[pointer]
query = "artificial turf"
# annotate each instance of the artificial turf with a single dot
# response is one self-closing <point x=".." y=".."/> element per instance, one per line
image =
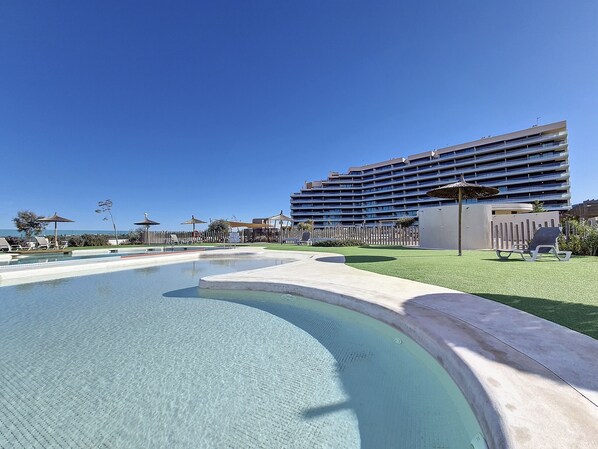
<point x="563" y="292"/>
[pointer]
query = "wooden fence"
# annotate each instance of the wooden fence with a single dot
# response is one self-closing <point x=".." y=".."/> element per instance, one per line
<point x="383" y="235"/>
<point x="184" y="237"/>
<point x="517" y="231"/>
<point x="370" y="236"/>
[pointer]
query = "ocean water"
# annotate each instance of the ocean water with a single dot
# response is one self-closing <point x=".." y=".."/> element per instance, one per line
<point x="50" y="231"/>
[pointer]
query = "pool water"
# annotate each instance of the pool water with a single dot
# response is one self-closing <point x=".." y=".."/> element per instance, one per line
<point x="51" y="257"/>
<point x="144" y="359"/>
<point x="41" y="258"/>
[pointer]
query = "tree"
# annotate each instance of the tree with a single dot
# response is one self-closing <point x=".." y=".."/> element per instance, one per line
<point x="405" y="222"/>
<point x="307" y="225"/>
<point x="538" y="206"/>
<point x="219" y="226"/>
<point x="105" y="207"/>
<point x="26" y="221"/>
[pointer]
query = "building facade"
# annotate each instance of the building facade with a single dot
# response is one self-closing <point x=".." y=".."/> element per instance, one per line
<point x="586" y="210"/>
<point x="527" y="165"/>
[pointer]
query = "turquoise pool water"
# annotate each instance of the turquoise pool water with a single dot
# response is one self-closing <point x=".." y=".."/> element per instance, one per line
<point x="143" y="359"/>
<point x="41" y="258"/>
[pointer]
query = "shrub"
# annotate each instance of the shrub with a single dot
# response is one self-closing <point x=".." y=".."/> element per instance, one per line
<point x="306" y="225"/>
<point x="88" y="240"/>
<point x="583" y="241"/>
<point x="405" y="222"/>
<point x="16" y="241"/>
<point x="135" y="237"/>
<point x="219" y="226"/>
<point x="338" y="243"/>
<point x="260" y="238"/>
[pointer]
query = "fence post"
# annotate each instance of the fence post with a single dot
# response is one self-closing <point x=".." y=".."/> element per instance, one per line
<point x="512" y="235"/>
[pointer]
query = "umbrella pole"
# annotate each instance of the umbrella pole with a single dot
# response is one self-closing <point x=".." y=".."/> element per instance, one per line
<point x="460" y="211"/>
<point x="55" y="235"/>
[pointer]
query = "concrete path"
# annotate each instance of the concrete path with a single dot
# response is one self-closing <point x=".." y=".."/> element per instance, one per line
<point x="533" y="384"/>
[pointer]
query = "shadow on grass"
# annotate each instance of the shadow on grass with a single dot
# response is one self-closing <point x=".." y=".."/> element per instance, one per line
<point x="356" y="259"/>
<point x="368" y="259"/>
<point x="392" y="247"/>
<point x="579" y="317"/>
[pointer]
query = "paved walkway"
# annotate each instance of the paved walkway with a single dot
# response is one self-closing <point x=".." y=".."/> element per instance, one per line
<point x="533" y="384"/>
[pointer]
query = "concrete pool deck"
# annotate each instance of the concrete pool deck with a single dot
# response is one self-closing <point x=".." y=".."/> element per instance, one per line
<point x="532" y="383"/>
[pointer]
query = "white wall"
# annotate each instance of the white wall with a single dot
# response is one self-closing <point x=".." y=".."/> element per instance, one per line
<point x="438" y="227"/>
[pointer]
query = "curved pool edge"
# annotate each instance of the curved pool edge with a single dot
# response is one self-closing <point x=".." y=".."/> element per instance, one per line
<point x="520" y="402"/>
<point x="24" y="274"/>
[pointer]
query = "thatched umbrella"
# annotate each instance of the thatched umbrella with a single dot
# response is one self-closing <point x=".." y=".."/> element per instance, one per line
<point x="462" y="190"/>
<point x="280" y="217"/>
<point x="147" y="223"/>
<point x="193" y="221"/>
<point x="55" y="219"/>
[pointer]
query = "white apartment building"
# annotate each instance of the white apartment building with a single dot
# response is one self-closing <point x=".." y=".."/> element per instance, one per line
<point x="527" y="165"/>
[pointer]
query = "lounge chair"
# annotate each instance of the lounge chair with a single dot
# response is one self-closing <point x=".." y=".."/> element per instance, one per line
<point x="545" y="242"/>
<point x="5" y="246"/>
<point x="174" y="240"/>
<point x="305" y="239"/>
<point x="61" y="245"/>
<point x="42" y="243"/>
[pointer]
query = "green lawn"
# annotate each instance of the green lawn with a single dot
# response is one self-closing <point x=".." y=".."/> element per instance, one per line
<point x="563" y="292"/>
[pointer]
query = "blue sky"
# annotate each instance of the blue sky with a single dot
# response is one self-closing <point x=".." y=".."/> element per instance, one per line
<point x="225" y="108"/>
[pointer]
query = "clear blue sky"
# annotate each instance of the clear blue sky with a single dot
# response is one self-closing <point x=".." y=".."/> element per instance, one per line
<point x="224" y="108"/>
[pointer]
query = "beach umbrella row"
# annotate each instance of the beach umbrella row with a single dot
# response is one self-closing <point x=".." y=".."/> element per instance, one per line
<point x="147" y="222"/>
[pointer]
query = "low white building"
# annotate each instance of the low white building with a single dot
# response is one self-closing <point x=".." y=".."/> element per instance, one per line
<point x="484" y="226"/>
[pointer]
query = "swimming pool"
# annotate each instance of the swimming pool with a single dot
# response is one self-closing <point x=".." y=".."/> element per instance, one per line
<point x="83" y="255"/>
<point x="143" y="358"/>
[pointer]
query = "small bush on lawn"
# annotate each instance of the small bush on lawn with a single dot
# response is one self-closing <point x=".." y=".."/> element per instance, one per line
<point x="338" y="243"/>
<point x="16" y="241"/>
<point x="135" y="237"/>
<point x="584" y="242"/>
<point x="89" y="240"/>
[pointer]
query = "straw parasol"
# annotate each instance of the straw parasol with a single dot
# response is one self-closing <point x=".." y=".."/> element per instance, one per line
<point x="462" y="190"/>
<point x="147" y="223"/>
<point x="193" y="221"/>
<point x="55" y="219"/>
<point x="280" y="217"/>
